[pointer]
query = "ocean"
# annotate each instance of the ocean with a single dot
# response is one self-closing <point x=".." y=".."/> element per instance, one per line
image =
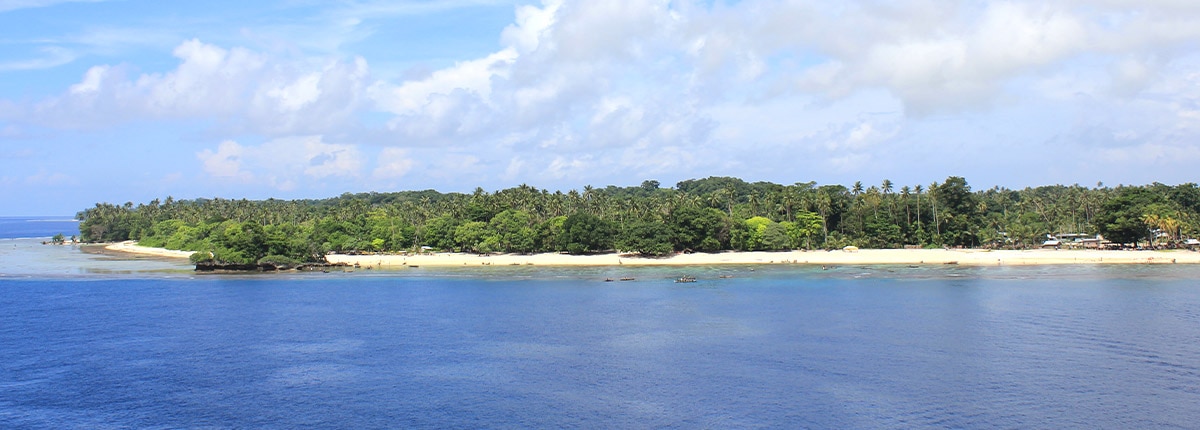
<point x="38" y="227"/>
<point x="87" y="341"/>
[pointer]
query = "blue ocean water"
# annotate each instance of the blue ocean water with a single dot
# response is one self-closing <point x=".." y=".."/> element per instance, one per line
<point x="92" y="341"/>
<point x="37" y="227"/>
<point x="771" y="347"/>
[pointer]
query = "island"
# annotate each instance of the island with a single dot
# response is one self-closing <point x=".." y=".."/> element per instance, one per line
<point x="716" y="220"/>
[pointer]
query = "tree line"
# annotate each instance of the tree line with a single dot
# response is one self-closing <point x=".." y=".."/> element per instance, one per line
<point x="698" y="215"/>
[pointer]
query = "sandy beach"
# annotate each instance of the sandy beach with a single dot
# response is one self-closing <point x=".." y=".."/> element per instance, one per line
<point x="132" y="247"/>
<point x="971" y="257"/>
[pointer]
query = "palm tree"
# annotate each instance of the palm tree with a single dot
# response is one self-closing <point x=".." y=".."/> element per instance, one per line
<point x="873" y="198"/>
<point x="589" y="197"/>
<point x="1153" y="221"/>
<point x="933" y="204"/>
<point x="824" y="205"/>
<point x="715" y="200"/>
<point x="730" y="193"/>
<point x="918" y="189"/>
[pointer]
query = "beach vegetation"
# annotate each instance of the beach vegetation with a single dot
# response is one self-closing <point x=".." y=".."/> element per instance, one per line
<point x="585" y="233"/>
<point x="646" y="238"/>
<point x="697" y="215"/>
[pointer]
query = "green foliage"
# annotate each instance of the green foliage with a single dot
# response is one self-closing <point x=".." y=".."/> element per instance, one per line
<point x="471" y="236"/>
<point x="882" y="234"/>
<point x="699" y="229"/>
<point x="646" y="238"/>
<point x="755" y="231"/>
<point x="440" y="232"/>
<point x="1120" y="220"/>
<point x="551" y="234"/>
<point x="709" y="215"/>
<point x="387" y="232"/>
<point x="955" y="195"/>
<point x="585" y="233"/>
<point x="804" y="229"/>
<point x="512" y="231"/>
<point x="279" y="261"/>
<point x="775" y="237"/>
<point x="201" y="257"/>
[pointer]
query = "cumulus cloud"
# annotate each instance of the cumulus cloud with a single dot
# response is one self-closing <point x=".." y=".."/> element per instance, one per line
<point x="243" y="89"/>
<point x="393" y="163"/>
<point x="612" y="89"/>
<point x="282" y="163"/>
<point x="593" y="85"/>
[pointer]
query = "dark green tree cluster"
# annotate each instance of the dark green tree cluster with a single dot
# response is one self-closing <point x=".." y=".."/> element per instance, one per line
<point x="700" y="215"/>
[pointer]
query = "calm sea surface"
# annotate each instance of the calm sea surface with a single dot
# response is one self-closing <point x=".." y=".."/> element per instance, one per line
<point x="91" y="342"/>
<point x="37" y="227"/>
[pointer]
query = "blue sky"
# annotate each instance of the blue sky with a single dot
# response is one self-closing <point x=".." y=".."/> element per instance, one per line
<point x="132" y="100"/>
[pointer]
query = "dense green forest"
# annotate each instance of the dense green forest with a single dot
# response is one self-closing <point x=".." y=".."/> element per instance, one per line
<point x="700" y="215"/>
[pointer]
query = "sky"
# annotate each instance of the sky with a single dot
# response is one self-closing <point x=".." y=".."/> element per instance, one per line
<point x="131" y="100"/>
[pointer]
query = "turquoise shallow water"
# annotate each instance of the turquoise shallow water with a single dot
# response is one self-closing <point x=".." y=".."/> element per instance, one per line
<point x="90" y="342"/>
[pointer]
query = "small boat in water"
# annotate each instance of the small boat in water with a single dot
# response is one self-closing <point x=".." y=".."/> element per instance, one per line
<point x="686" y="279"/>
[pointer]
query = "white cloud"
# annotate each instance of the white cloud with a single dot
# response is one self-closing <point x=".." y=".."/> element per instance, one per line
<point x="51" y="178"/>
<point x="614" y="89"/>
<point x="225" y="162"/>
<point x="531" y="22"/>
<point x="53" y="56"/>
<point x="392" y="163"/>
<point x="282" y="163"/>
<point x="472" y="77"/>
<point x="515" y="167"/>
<point x="293" y="96"/>
<point x="10" y="5"/>
<point x="561" y="167"/>
<point x="241" y="89"/>
<point x="456" y="166"/>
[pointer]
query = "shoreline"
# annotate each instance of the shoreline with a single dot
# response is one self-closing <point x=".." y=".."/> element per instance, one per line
<point x="965" y="257"/>
<point x="131" y="247"/>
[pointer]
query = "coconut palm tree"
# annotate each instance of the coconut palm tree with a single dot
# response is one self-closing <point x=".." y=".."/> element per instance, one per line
<point x="1153" y="221"/>
<point x="933" y="205"/>
<point x="918" y="189"/>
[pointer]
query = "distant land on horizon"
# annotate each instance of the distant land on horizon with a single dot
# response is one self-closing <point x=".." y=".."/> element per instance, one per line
<point x="706" y="215"/>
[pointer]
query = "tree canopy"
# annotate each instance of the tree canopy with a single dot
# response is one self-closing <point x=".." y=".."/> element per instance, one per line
<point x="702" y="215"/>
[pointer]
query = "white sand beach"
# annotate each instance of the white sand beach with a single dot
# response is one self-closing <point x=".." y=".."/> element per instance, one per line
<point x="132" y="247"/>
<point x="866" y="256"/>
<point x="972" y="257"/>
